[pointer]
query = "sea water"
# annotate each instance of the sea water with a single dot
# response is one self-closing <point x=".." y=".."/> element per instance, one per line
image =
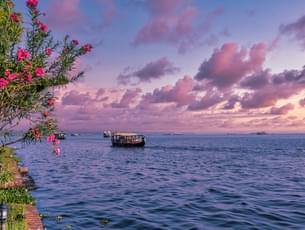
<point x="175" y="182"/>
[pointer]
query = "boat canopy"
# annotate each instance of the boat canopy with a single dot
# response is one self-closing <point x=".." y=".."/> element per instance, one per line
<point x="125" y="134"/>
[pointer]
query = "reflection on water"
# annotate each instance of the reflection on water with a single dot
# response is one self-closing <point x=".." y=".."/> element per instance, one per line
<point x="175" y="182"/>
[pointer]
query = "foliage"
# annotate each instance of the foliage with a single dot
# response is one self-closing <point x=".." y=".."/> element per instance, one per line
<point x="18" y="196"/>
<point x="7" y="165"/>
<point x="5" y="177"/>
<point x="16" y="220"/>
<point x="30" y="70"/>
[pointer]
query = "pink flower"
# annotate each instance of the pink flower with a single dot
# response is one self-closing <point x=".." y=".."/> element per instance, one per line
<point x="39" y="72"/>
<point x="32" y="3"/>
<point x="56" y="142"/>
<point x="12" y="76"/>
<point x="22" y="54"/>
<point x="45" y="113"/>
<point x="3" y="83"/>
<point x="51" y="101"/>
<point x="15" y="17"/>
<point x="51" y="138"/>
<point x="87" y="48"/>
<point x="43" y="27"/>
<point x="29" y="77"/>
<point x="7" y="72"/>
<point x="75" y="42"/>
<point x="57" y="151"/>
<point x="36" y="11"/>
<point x="48" y="51"/>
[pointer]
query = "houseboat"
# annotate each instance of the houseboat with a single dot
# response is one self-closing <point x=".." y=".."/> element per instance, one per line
<point x="122" y="139"/>
<point x="107" y="133"/>
<point x="60" y="136"/>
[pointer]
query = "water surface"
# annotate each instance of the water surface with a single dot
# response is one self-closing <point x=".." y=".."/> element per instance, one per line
<point x="175" y="182"/>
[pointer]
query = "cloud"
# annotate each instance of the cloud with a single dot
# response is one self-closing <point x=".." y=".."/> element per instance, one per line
<point x="256" y="81"/>
<point x="209" y="100"/>
<point x="295" y="29"/>
<point x="75" y="98"/>
<point x="64" y="13"/>
<point x="152" y="70"/>
<point x="280" y="86"/>
<point x="302" y="102"/>
<point x="283" y="110"/>
<point x="231" y="102"/>
<point x="129" y="97"/>
<point x="180" y="93"/>
<point x="229" y="65"/>
<point x="174" y="22"/>
<point x="69" y="15"/>
<point x="233" y="90"/>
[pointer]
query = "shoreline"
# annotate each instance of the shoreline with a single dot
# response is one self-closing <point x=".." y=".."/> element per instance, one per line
<point x="15" y="184"/>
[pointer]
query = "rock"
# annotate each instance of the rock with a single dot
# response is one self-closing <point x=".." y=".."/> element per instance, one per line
<point x="24" y="170"/>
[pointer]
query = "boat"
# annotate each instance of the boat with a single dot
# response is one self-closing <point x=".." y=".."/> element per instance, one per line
<point x="260" y="133"/>
<point x="74" y="134"/>
<point x="107" y="133"/>
<point x="60" y="136"/>
<point x="124" y="139"/>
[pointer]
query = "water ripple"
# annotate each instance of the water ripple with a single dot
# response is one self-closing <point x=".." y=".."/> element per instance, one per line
<point x="176" y="182"/>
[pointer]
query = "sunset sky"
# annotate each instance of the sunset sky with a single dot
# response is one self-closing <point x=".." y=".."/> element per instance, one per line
<point x="208" y="66"/>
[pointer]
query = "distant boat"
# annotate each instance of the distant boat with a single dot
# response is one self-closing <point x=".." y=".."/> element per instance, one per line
<point x="60" y="136"/>
<point x="74" y="134"/>
<point x="261" y="133"/>
<point x="107" y="133"/>
<point x="122" y="139"/>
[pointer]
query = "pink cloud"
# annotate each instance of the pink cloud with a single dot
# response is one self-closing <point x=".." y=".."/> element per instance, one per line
<point x="229" y="65"/>
<point x="231" y="102"/>
<point x="281" y="86"/>
<point x="180" y="93"/>
<point x="152" y="70"/>
<point x="129" y="97"/>
<point x="302" y="102"/>
<point x="69" y="15"/>
<point x="281" y="110"/>
<point x="234" y="92"/>
<point x="173" y="22"/>
<point x="76" y="98"/>
<point x="152" y="111"/>
<point x="207" y="101"/>
<point x="64" y="13"/>
<point x="256" y="81"/>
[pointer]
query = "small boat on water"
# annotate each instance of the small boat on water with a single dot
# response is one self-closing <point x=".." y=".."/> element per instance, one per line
<point x="74" y="134"/>
<point x="107" y="133"/>
<point x="60" y="136"/>
<point x="122" y="139"/>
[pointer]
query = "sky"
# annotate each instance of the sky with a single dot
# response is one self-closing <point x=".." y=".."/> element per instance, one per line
<point x="200" y="66"/>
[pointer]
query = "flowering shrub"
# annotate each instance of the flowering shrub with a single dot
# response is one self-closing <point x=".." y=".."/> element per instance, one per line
<point x="30" y="69"/>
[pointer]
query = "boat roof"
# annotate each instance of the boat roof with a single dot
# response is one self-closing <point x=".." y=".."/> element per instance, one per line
<point x="126" y="134"/>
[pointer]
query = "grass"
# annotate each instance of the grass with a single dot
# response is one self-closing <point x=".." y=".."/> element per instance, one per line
<point x="16" y="219"/>
<point x="8" y="161"/>
<point x="15" y="198"/>
<point x="6" y="176"/>
<point x="18" y="196"/>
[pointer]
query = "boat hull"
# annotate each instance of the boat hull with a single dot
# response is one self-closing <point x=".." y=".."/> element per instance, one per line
<point x="60" y="136"/>
<point x="139" y="144"/>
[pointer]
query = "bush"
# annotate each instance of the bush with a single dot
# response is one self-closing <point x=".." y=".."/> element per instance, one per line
<point x="30" y="69"/>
